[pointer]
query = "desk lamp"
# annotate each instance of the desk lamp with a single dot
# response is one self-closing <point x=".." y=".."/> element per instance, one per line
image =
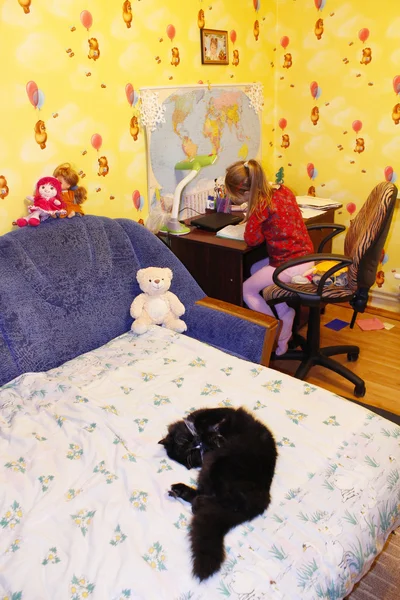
<point x="173" y="226"/>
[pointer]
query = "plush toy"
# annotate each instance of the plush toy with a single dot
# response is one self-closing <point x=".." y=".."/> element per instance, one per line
<point x="314" y="274"/>
<point x="47" y="202"/>
<point x="156" y="305"/>
<point x="73" y="194"/>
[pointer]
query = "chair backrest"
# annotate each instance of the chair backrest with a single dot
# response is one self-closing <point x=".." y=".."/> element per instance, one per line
<point x="367" y="234"/>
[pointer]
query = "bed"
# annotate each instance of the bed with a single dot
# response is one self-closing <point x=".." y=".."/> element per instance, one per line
<point x="84" y="508"/>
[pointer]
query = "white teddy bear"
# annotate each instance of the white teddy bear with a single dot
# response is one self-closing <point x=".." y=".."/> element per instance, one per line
<point x="156" y="305"/>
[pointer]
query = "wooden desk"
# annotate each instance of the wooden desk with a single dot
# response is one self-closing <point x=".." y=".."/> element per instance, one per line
<point x="220" y="266"/>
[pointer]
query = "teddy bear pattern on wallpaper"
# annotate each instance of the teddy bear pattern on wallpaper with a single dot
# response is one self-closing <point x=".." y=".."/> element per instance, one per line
<point x="156" y="305"/>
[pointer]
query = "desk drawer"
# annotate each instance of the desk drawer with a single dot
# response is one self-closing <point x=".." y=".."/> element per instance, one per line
<point x="217" y="270"/>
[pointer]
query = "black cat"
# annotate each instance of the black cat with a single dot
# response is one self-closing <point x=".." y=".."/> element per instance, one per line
<point x="237" y="455"/>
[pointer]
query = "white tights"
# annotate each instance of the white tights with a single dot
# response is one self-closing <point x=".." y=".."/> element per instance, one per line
<point x="261" y="277"/>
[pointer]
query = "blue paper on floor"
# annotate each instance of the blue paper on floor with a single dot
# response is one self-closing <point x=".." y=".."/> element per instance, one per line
<point x="336" y="324"/>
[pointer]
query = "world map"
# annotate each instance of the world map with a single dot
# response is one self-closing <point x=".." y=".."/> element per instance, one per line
<point x="200" y="121"/>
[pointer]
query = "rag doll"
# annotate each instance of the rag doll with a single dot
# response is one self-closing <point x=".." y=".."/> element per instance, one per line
<point x="46" y="202"/>
<point x="236" y="454"/>
<point x="73" y="195"/>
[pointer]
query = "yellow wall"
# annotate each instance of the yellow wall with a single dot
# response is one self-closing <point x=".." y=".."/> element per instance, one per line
<point x="82" y="96"/>
<point x="45" y="42"/>
<point x="352" y="89"/>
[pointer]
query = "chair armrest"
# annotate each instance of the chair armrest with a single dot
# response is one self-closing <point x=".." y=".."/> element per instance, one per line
<point x="343" y="261"/>
<point x="335" y="226"/>
<point x="240" y="331"/>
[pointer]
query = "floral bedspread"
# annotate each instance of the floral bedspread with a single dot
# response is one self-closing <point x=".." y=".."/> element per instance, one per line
<point x="84" y="510"/>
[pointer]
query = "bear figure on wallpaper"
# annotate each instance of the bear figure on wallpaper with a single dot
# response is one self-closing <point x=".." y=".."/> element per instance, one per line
<point x="287" y="61"/>
<point x="366" y="56"/>
<point x="103" y="166"/>
<point x="134" y="128"/>
<point x="315" y="115"/>
<point x="94" y="51"/>
<point x="256" y="29"/>
<point x="235" y="60"/>
<point x="396" y="114"/>
<point x="201" y="22"/>
<point x="319" y="28"/>
<point x="175" y="60"/>
<point x="127" y="13"/>
<point x="156" y="305"/>
<point x="40" y="134"/>
<point x="380" y="278"/>
<point x="285" y="141"/>
<point x="360" y="145"/>
<point x="25" y="5"/>
<point x="3" y="187"/>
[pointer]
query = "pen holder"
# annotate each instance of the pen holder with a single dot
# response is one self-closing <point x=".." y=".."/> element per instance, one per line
<point x="223" y="205"/>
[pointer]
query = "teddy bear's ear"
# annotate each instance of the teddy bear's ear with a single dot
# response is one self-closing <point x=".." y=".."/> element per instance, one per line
<point x="140" y="275"/>
<point x="169" y="272"/>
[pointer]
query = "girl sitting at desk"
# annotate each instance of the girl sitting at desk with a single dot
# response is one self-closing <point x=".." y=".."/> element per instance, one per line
<point x="273" y="217"/>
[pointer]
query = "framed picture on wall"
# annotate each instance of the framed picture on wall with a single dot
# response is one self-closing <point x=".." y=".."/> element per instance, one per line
<point x="214" y="47"/>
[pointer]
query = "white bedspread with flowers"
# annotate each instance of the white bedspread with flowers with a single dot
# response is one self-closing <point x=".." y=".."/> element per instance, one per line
<point x="84" y="510"/>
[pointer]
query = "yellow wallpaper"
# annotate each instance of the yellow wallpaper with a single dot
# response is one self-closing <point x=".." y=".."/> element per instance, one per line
<point x="337" y="120"/>
<point x="324" y="90"/>
<point x="77" y="66"/>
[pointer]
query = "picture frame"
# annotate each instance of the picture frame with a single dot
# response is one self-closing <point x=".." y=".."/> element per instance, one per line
<point x="214" y="47"/>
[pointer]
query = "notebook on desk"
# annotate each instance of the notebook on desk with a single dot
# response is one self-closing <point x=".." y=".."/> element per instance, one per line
<point x="216" y="221"/>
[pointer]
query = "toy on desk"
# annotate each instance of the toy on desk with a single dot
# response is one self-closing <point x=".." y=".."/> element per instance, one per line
<point x="173" y="226"/>
<point x="156" y="305"/>
<point x="279" y="177"/>
<point x="47" y="202"/>
<point x="314" y="274"/>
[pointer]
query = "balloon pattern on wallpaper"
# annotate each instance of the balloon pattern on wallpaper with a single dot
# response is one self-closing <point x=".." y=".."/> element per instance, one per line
<point x="328" y="66"/>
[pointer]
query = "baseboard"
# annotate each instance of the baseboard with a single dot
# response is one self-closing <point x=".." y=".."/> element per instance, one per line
<point x="388" y="301"/>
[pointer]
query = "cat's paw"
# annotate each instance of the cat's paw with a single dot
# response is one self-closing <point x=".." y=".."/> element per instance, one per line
<point x="180" y="490"/>
<point x="177" y="490"/>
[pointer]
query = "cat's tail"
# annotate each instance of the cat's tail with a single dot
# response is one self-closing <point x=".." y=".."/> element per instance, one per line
<point x="209" y="525"/>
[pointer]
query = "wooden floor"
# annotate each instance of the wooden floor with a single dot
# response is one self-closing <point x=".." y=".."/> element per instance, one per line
<point x="378" y="363"/>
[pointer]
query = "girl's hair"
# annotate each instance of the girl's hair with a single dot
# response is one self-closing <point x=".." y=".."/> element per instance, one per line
<point x="248" y="176"/>
<point x="214" y="41"/>
<point x="71" y="177"/>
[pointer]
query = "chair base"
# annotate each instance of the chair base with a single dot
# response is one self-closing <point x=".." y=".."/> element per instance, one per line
<point x="321" y="356"/>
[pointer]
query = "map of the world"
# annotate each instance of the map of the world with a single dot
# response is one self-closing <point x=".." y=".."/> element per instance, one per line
<point x="200" y="121"/>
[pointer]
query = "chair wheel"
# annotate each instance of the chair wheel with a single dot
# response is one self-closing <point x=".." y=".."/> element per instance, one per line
<point x="352" y="356"/>
<point x="359" y="390"/>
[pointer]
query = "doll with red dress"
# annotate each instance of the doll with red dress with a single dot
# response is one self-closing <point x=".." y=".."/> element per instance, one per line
<point x="73" y="195"/>
<point x="46" y="202"/>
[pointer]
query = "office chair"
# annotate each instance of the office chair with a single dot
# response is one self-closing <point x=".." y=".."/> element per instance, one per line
<point x="363" y="247"/>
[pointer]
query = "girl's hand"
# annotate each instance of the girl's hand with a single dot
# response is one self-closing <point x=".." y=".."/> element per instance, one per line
<point x="57" y="202"/>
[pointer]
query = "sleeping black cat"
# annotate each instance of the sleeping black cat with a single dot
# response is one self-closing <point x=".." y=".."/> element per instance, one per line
<point x="237" y="456"/>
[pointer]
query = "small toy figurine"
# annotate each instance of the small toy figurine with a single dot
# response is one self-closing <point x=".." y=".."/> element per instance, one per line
<point x="279" y="177"/>
<point x="73" y="195"/>
<point x="47" y="202"/>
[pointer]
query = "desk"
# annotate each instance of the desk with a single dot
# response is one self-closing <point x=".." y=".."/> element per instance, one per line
<point x="219" y="265"/>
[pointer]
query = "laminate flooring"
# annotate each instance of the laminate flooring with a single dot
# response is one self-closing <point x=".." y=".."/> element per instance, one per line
<point x="378" y="363"/>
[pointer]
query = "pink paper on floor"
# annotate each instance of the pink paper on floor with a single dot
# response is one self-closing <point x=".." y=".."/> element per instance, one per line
<point x="370" y="324"/>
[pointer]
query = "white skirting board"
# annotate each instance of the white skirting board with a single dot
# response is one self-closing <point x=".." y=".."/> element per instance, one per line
<point x="385" y="300"/>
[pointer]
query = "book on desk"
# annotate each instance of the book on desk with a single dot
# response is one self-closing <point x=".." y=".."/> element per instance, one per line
<point x="232" y="232"/>
<point x="310" y="207"/>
